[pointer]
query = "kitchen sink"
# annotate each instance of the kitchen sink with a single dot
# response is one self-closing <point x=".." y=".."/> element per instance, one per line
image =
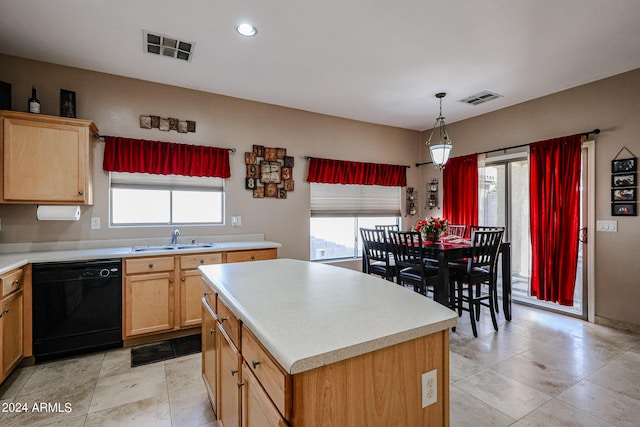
<point x="172" y="247"/>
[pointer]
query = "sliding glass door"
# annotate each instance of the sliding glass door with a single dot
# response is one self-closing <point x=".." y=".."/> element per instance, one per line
<point x="504" y="201"/>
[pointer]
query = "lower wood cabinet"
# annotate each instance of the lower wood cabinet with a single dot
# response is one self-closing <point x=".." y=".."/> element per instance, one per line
<point x="257" y="409"/>
<point x="162" y="293"/>
<point x="148" y="295"/>
<point x="230" y="383"/>
<point x="243" y="389"/>
<point x="11" y="322"/>
<point x="210" y="354"/>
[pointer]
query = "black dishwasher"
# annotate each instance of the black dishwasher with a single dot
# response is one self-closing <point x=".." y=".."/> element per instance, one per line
<point x="77" y="307"/>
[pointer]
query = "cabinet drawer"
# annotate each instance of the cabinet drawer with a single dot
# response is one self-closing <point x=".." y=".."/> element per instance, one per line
<point x="252" y="255"/>
<point x="148" y="265"/>
<point x="275" y="381"/>
<point x="11" y="281"/>
<point x="229" y="322"/>
<point x="257" y="409"/>
<point x="188" y="262"/>
<point x="210" y="297"/>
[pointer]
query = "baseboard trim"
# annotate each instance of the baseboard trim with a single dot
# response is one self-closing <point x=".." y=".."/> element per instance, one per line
<point x="618" y="324"/>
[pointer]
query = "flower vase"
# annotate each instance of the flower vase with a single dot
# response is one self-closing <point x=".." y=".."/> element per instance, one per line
<point x="432" y="236"/>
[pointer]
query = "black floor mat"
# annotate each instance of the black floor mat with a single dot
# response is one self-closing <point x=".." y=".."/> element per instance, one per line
<point x="164" y="350"/>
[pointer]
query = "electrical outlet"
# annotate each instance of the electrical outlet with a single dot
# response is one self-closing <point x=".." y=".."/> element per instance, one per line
<point x="95" y="222"/>
<point x="236" y="221"/>
<point x="429" y="388"/>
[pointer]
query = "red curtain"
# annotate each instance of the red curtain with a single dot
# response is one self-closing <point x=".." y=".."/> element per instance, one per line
<point x="460" y="190"/>
<point x="164" y="158"/>
<point x="555" y="167"/>
<point x="344" y="172"/>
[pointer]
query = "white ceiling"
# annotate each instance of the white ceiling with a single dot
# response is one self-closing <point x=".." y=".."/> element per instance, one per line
<point x="379" y="61"/>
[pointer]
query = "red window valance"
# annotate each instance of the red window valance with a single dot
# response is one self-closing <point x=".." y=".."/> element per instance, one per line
<point x="329" y="171"/>
<point x="164" y="158"/>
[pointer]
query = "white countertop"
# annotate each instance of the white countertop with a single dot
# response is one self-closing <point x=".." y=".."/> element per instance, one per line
<point x="10" y="261"/>
<point x="309" y="314"/>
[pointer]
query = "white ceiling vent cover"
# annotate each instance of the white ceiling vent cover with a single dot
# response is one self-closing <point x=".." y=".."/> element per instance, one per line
<point x="163" y="45"/>
<point x="481" y="98"/>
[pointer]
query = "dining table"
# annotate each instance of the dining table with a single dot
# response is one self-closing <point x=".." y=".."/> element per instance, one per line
<point x="444" y="252"/>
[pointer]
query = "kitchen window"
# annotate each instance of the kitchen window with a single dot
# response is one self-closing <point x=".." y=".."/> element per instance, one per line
<point x="147" y="199"/>
<point x="339" y="211"/>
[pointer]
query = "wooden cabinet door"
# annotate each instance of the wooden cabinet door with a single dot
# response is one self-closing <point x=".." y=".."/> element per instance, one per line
<point x="11" y="334"/>
<point x="149" y="303"/>
<point x="190" y="297"/>
<point x="257" y="409"/>
<point x="210" y="354"/>
<point x="229" y="378"/>
<point x="46" y="162"/>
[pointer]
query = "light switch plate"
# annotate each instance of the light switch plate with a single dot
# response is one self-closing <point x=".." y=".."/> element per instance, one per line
<point x="236" y="221"/>
<point x="95" y="222"/>
<point x="608" y="226"/>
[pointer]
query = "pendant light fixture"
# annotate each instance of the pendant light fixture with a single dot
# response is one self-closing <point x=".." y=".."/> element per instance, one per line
<point x="440" y="151"/>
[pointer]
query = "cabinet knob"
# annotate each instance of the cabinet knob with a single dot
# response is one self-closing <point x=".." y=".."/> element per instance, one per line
<point x="6" y="310"/>
<point x="253" y="257"/>
<point x="233" y="372"/>
<point x="222" y="319"/>
<point x="81" y="192"/>
<point x="212" y="331"/>
<point x="206" y="293"/>
<point x="170" y="280"/>
<point x="240" y="385"/>
<point x="150" y="265"/>
<point x="201" y="261"/>
<point x="184" y="279"/>
<point x="255" y="363"/>
<point x="17" y="281"/>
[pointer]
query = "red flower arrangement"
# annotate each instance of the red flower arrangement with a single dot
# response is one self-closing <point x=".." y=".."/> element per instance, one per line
<point x="432" y="226"/>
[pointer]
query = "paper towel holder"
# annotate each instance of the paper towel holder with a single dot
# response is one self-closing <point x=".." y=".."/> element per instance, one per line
<point x="58" y="213"/>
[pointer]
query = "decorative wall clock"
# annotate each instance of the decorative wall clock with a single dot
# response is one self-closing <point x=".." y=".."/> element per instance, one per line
<point x="269" y="172"/>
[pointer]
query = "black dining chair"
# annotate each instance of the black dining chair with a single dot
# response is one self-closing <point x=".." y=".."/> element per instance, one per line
<point x="474" y="280"/>
<point x="489" y="228"/>
<point x="457" y="231"/>
<point x="409" y="256"/>
<point x="376" y="257"/>
<point x="387" y="229"/>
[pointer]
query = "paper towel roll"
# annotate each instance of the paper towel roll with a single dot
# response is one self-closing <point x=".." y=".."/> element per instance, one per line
<point x="58" y="213"/>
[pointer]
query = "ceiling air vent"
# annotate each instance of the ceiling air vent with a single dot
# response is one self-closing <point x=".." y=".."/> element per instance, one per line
<point x="480" y="98"/>
<point x="160" y="44"/>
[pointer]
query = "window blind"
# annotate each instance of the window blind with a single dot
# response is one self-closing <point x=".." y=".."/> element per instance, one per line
<point x="169" y="182"/>
<point x="354" y="200"/>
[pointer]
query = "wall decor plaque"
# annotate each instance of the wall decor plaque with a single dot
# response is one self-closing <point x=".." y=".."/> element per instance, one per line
<point x="166" y="124"/>
<point x="269" y="172"/>
<point x="624" y="185"/>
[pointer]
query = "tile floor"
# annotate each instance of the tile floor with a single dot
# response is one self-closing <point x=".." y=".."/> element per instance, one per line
<point x="540" y="369"/>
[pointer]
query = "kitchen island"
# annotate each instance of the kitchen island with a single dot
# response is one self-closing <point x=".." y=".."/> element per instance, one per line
<point x="321" y="345"/>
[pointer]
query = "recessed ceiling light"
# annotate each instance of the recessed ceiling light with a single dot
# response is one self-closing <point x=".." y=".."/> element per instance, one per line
<point x="247" y="30"/>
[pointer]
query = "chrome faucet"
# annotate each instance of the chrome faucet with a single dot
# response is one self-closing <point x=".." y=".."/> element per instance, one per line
<point x="174" y="236"/>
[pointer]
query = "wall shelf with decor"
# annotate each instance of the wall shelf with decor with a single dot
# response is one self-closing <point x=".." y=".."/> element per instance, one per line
<point x="624" y="185"/>
<point x="432" y="194"/>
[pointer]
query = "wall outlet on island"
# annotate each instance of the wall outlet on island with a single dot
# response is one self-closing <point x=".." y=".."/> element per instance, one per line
<point x="429" y="388"/>
<point x="95" y="222"/>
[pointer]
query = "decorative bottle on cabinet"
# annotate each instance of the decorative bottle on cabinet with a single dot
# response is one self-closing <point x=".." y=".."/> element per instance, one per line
<point x="34" y="103"/>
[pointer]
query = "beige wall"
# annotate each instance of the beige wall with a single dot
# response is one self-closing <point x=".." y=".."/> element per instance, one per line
<point x="611" y="105"/>
<point x="115" y="104"/>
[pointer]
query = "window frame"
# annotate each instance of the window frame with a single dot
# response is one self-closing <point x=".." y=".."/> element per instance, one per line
<point x="171" y="183"/>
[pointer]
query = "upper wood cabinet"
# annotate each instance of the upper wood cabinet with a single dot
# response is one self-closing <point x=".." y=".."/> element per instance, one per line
<point x="46" y="159"/>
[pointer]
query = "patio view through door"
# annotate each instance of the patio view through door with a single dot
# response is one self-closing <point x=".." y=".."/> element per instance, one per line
<point x="504" y="201"/>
